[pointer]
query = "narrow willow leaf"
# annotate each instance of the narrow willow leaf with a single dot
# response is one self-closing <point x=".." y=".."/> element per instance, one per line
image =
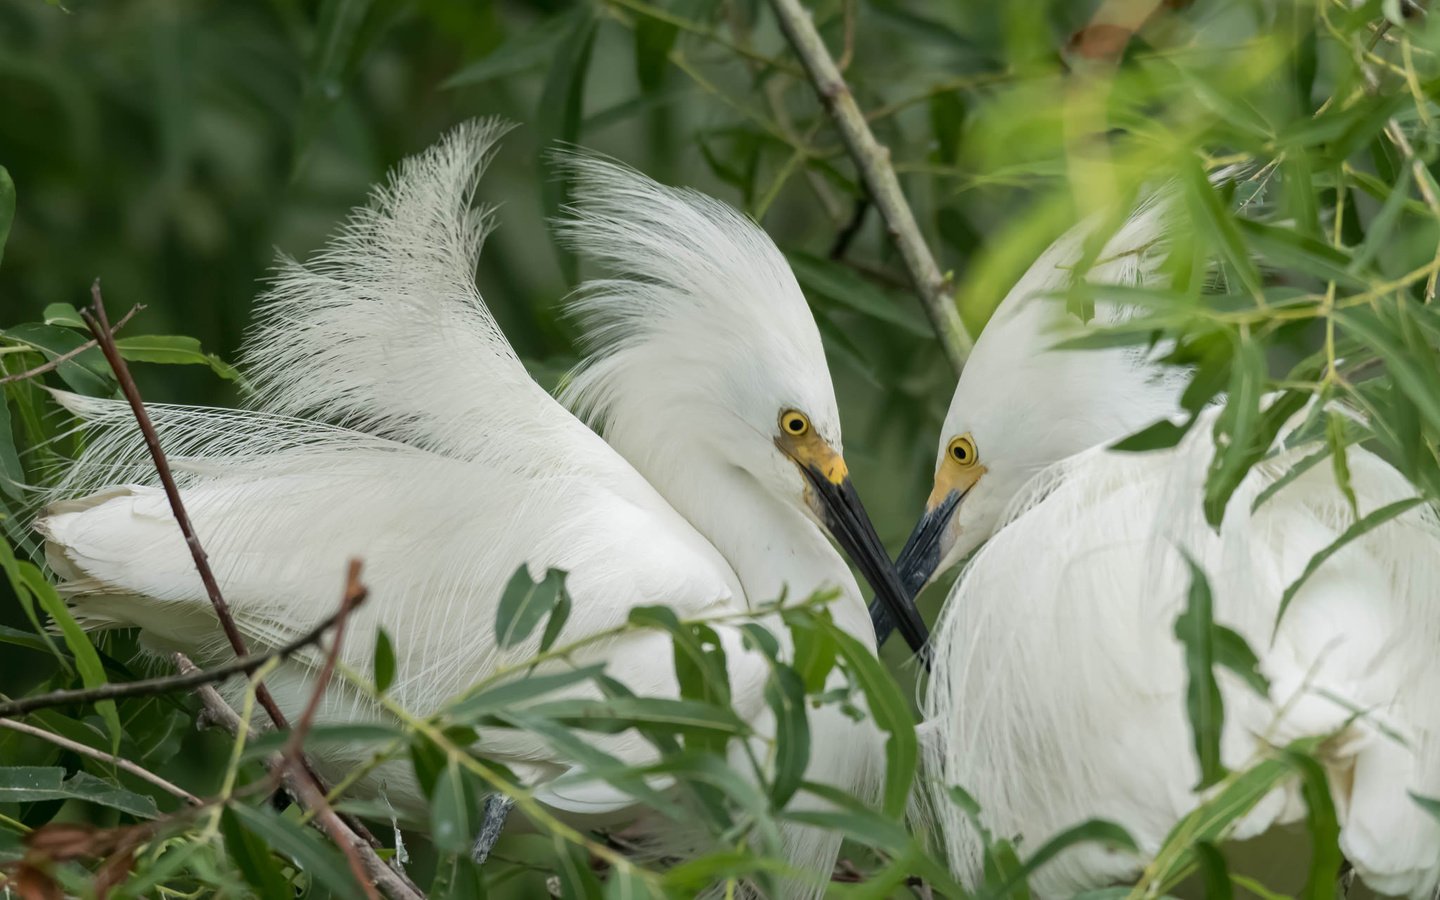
<point x="1232" y="652"/>
<point x="1362" y="526"/>
<point x="34" y="784"/>
<point x="527" y="48"/>
<point x="355" y="735"/>
<point x="1091" y="831"/>
<point x="519" y="691"/>
<point x="457" y="878"/>
<point x="320" y="859"/>
<point x="815" y="653"/>
<point x="572" y="867"/>
<point x="842" y="285"/>
<point x="18" y="583"/>
<point x="947" y="118"/>
<point x="173" y="349"/>
<point x="384" y="661"/>
<point x="619" y="713"/>
<point x="562" y="105"/>
<point x="1215" y="221"/>
<point x="785" y="695"/>
<point x="252" y="857"/>
<point x="1196" y="632"/>
<point x="1417" y="376"/>
<point x="1377" y="235"/>
<point x="12" y="473"/>
<point x="1301" y="253"/>
<point x="890" y="710"/>
<point x="1335" y="437"/>
<point x="1323" y="824"/>
<point x="559" y="615"/>
<point x="1214" y="874"/>
<point x="1236" y="430"/>
<point x="7" y="208"/>
<point x="1160" y="436"/>
<point x="454" y="808"/>
<point x="428" y="761"/>
<point x="853" y="819"/>
<point x="653" y="40"/>
<point x="87" y="660"/>
<point x="524" y="603"/>
<point x="1292" y="473"/>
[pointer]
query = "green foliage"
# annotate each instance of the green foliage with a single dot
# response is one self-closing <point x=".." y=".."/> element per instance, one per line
<point x="169" y="149"/>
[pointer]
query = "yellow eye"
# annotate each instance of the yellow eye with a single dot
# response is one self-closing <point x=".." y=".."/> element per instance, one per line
<point x="962" y="450"/>
<point x="794" y="423"/>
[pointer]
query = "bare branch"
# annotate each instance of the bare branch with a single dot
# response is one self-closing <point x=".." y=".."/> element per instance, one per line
<point x="117" y="761"/>
<point x="99" y="324"/>
<point x="149" y="686"/>
<point x="873" y="160"/>
<point x="69" y="354"/>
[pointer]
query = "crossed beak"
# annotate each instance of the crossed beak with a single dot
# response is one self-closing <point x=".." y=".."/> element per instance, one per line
<point x="833" y="499"/>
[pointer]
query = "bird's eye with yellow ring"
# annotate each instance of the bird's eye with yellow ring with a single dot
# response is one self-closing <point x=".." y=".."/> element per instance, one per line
<point x="794" y="423"/>
<point x="962" y="451"/>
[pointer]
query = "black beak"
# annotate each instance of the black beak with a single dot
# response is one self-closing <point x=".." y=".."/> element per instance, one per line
<point x="848" y="522"/>
<point x="918" y="560"/>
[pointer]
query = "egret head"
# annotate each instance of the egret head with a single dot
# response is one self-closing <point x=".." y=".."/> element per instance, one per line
<point x="704" y="357"/>
<point x="1024" y="404"/>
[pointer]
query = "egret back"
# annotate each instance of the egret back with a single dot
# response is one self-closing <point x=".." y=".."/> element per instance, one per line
<point x="1061" y="688"/>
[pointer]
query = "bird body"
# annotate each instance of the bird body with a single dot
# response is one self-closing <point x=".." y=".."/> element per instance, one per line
<point x="393" y="422"/>
<point x="1059" y="686"/>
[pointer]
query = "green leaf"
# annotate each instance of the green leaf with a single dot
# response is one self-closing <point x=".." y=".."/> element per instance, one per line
<point x="7" y="208"/>
<point x="86" y="373"/>
<point x="454" y="809"/>
<point x="318" y="857"/>
<point x="1301" y="253"/>
<point x="1213" y="220"/>
<point x="1362" y="526"/>
<point x="891" y="711"/>
<point x="457" y="878"/>
<point x="63" y="314"/>
<point x="34" y="784"/>
<point x="1377" y="235"/>
<point x="428" y="761"/>
<point x="785" y="695"/>
<point x="842" y="285"/>
<point x="1414" y="374"/>
<point x="252" y="857"/>
<point x="562" y="105"/>
<point x="384" y="661"/>
<point x="524" y="603"/>
<point x="1159" y="436"/>
<point x="1337" y="441"/>
<point x="87" y="660"/>
<point x="1292" y="473"/>
<point x="1322" y="823"/>
<point x="653" y="40"/>
<point x="559" y="614"/>
<point x="172" y="349"/>
<point x="577" y="882"/>
<point x="333" y="56"/>
<point x="815" y="652"/>
<point x="527" y="48"/>
<point x="1214" y="874"/>
<point x="12" y="473"/>
<point x="1091" y="831"/>
<point x="354" y="736"/>
<point x="1236" y="430"/>
<point x="851" y="818"/>
<point x="522" y="689"/>
<point x="1232" y="652"/>
<point x="619" y="713"/>
<point x="1195" y="630"/>
<point x="947" y="119"/>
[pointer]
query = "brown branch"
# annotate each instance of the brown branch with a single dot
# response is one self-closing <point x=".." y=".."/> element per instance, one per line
<point x="150" y="686"/>
<point x="872" y="159"/>
<point x="99" y="325"/>
<point x="117" y="761"/>
<point x="293" y="754"/>
<point x="69" y="354"/>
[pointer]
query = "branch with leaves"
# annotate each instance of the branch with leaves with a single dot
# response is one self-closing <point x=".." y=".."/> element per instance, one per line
<point x="873" y="161"/>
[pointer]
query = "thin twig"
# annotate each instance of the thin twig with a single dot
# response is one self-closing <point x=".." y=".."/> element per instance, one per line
<point x="117" y="761"/>
<point x="310" y="794"/>
<point x="69" y="354"/>
<point x="149" y="686"/>
<point x="873" y="160"/>
<point x="99" y="325"/>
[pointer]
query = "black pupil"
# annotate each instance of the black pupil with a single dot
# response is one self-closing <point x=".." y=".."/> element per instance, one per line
<point x="796" y="426"/>
<point x="960" y="453"/>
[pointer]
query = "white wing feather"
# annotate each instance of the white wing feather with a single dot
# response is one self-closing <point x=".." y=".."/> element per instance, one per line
<point x="1062" y="686"/>
<point x="395" y="424"/>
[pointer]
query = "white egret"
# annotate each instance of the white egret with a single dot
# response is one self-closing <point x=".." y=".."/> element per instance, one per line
<point x="1058" y="687"/>
<point x="393" y="422"/>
